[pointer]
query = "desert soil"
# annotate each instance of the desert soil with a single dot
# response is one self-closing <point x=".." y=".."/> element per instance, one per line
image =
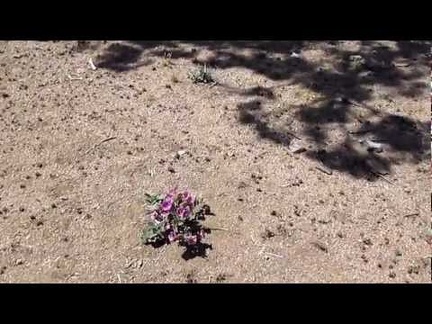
<point x="273" y="146"/>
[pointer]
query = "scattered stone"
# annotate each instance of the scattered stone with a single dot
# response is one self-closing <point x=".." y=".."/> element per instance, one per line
<point x="190" y="278"/>
<point x="340" y="235"/>
<point x="21" y="209"/>
<point x="367" y="241"/>
<point x="179" y="154"/>
<point x="296" y="147"/>
<point x="221" y="277"/>
<point x="295" y="55"/>
<point x="413" y="269"/>
<point x="19" y="262"/>
<point x="356" y="62"/>
<point x="320" y="246"/>
<point x="171" y="169"/>
<point x="392" y="274"/>
<point x="372" y="146"/>
<point x="267" y="234"/>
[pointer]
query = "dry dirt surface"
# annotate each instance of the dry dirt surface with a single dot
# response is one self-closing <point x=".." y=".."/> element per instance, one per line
<point x="314" y="157"/>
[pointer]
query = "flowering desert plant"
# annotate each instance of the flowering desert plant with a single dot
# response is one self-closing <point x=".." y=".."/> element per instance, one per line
<point x="201" y="75"/>
<point x="175" y="216"/>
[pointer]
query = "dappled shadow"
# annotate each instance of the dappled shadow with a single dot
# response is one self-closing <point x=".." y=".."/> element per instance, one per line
<point x="198" y="250"/>
<point x="344" y="86"/>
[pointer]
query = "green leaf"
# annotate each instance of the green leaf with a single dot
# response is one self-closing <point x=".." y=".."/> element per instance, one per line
<point x="153" y="199"/>
<point x="152" y="234"/>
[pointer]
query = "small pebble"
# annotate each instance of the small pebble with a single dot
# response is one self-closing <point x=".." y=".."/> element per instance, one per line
<point x="367" y="242"/>
<point x="171" y="169"/>
<point x="320" y="246"/>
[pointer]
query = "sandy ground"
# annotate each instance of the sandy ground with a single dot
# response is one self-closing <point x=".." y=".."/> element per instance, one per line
<point x="72" y="206"/>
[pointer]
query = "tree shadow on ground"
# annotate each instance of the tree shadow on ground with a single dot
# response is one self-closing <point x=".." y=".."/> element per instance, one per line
<point x="344" y="87"/>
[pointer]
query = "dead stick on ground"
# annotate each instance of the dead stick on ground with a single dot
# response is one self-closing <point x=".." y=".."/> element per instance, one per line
<point x="73" y="78"/>
<point x="324" y="169"/>
<point x="412" y="215"/>
<point x="274" y="255"/>
<point x="293" y="135"/>
<point x="382" y="177"/>
<point x="96" y="145"/>
<point x="221" y="229"/>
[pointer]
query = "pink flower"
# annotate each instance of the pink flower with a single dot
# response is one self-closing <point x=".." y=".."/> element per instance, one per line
<point x="183" y="212"/>
<point x="188" y="198"/>
<point x="201" y="234"/>
<point x="172" y="236"/>
<point x="167" y="203"/>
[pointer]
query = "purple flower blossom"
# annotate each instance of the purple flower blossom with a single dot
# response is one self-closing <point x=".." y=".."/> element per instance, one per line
<point x="183" y="212"/>
<point x="172" y="236"/>
<point x="167" y="203"/>
<point x="188" y="198"/>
